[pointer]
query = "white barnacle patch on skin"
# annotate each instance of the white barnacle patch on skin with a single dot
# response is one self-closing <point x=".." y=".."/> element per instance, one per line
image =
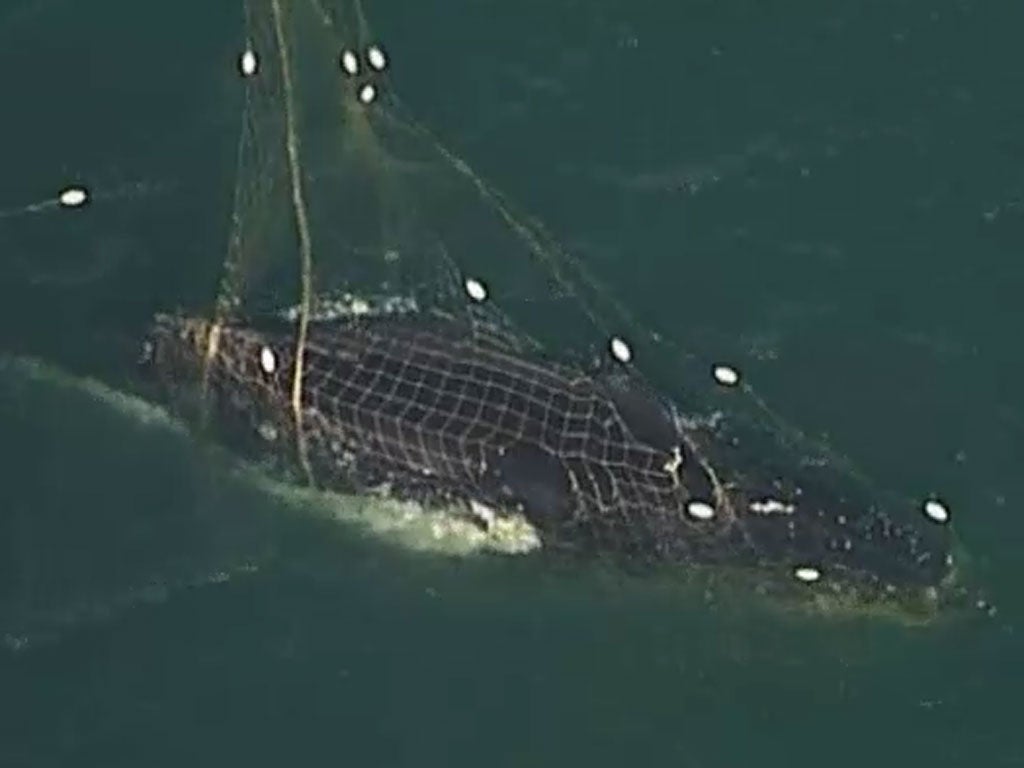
<point x="359" y="307"/>
<point x="726" y="375"/>
<point x="267" y="431"/>
<point x="367" y="94"/>
<point x="268" y="360"/>
<point x="475" y="289"/>
<point x="807" y="573"/>
<point x="376" y="58"/>
<point x="620" y="350"/>
<point x="699" y="510"/>
<point x="349" y="63"/>
<point x="248" y="63"/>
<point x="936" y="511"/>
<point x="73" y="197"/>
<point x="771" y="507"/>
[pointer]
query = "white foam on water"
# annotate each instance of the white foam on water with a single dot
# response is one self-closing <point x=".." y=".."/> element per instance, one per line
<point x="771" y="507"/>
<point x="135" y="408"/>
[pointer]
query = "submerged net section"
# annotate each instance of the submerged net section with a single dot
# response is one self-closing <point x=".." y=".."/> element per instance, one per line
<point x="388" y="321"/>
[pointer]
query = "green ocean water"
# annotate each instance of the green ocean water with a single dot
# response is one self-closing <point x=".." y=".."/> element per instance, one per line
<point x="830" y="194"/>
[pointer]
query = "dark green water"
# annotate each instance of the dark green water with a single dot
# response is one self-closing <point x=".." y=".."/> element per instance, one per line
<point x="832" y="196"/>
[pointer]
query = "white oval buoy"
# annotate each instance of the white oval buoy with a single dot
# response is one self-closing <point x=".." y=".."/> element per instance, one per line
<point x="367" y="93"/>
<point x="699" y="510"/>
<point x="268" y="361"/>
<point x="807" y="573"/>
<point x="376" y="58"/>
<point x="476" y="290"/>
<point x="248" y="63"/>
<point x="726" y="375"/>
<point x="936" y="511"/>
<point x="72" y="197"/>
<point x="349" y="63"/>
<point x="620" y="350"/>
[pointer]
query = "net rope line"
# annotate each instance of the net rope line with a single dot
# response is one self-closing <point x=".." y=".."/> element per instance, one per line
<point x="305" y="241"/>
<point x="230" y="289"/>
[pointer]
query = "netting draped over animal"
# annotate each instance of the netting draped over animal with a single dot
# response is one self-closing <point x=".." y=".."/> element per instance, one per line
<point x="441" y="412"/>
<point x="388" y="320"/>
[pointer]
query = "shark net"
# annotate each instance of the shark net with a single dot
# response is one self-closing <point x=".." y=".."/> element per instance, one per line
<point x="389" y="323"/>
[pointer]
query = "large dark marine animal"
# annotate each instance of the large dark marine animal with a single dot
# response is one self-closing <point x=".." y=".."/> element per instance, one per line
<point x="596" y="462"/>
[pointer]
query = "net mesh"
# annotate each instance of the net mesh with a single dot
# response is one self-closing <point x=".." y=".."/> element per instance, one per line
<point x="388" y="320"/>
<point x="432" y="409"/>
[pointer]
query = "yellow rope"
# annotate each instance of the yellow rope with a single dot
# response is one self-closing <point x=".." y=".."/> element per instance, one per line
<point x="305" y="245"/>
